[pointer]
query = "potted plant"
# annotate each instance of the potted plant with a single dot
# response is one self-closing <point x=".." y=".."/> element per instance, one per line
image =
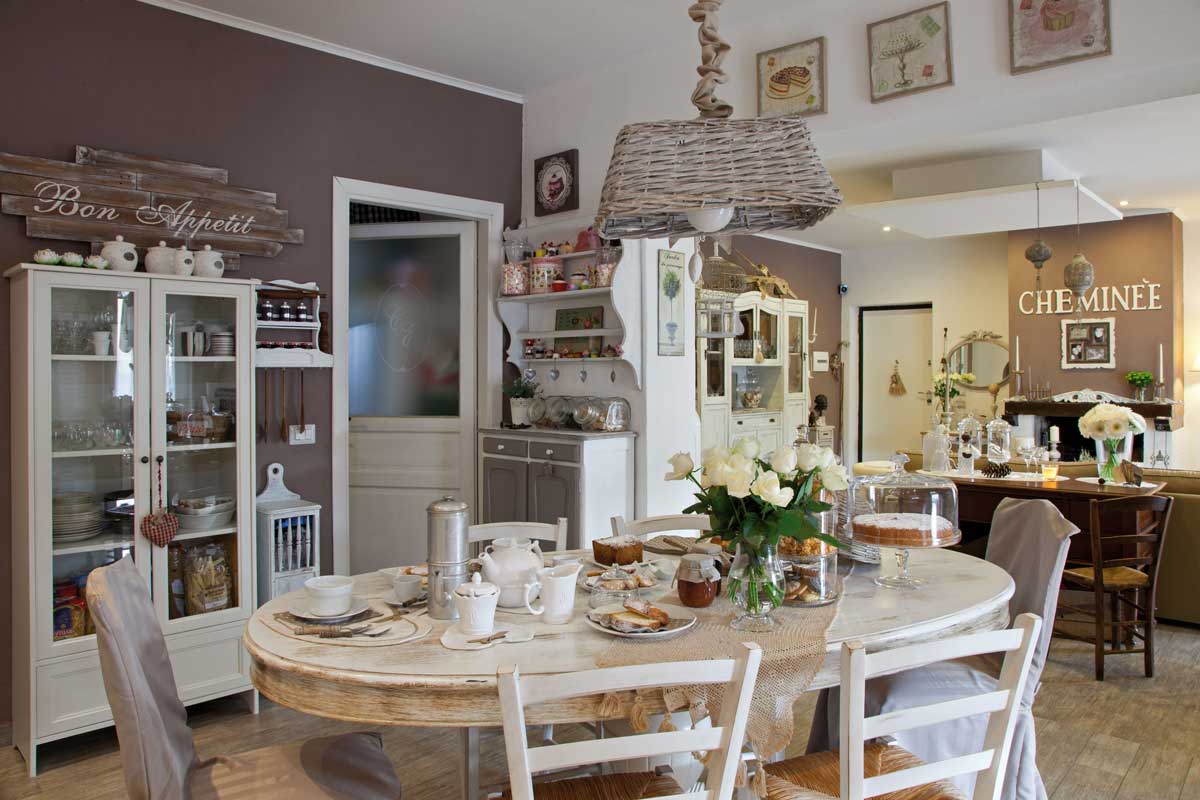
<point x="752" y="503"/>
<point x="1112" y="427"/>
<point x="1140" y="380"/>
<point x="520" y="394"/>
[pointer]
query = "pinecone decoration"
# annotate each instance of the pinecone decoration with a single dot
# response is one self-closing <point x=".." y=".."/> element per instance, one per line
<point x="994" y="470"/>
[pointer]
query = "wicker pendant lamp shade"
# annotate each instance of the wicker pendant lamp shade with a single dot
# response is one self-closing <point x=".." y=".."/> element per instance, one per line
<point x="766" y="171"/>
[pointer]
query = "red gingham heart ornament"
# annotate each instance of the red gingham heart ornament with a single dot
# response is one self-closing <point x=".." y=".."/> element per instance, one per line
<point x="161" y="526"/>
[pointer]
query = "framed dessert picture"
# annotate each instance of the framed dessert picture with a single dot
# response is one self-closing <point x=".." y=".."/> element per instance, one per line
<point x="556" y="183"/>
<point x="910" y="52"/>
<point x="1047" y="33"/>
<point x="1089" y="343"/>
<point x="791" y="80"/>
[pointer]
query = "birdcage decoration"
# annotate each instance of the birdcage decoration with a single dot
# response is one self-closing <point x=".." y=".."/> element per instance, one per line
<point x="722" y="275"/>
<point x="715" y="315"/>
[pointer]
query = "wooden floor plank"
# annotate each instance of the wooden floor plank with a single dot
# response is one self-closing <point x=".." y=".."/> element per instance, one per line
<point x="1191" y="785"/>
<point x="1155" y="773"/>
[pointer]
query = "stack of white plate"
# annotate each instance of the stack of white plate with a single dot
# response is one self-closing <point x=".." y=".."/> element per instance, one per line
<point x="221" y="344"/>
<point x="77" y="516"/>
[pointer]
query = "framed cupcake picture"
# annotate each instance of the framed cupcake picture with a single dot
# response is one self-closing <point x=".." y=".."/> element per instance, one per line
<point x="791" y="80"/>
<point x="1047" y="33"/>
<point x="910" y="53"/>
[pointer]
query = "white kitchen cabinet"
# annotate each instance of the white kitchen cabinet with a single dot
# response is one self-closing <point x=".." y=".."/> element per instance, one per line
<point x="94" y="428"/>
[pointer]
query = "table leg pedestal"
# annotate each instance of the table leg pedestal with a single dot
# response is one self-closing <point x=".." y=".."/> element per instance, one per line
<point x="470" y="768"/>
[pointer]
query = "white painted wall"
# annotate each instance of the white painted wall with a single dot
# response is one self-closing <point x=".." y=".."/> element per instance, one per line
<point x="1186" y="442"/>
<point x="894" y="422"/>
<point x="966" y="280"/>
<point x="1154" y="57"/>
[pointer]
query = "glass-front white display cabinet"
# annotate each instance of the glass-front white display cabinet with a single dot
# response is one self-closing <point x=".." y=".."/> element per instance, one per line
<point x="127" y="394"/>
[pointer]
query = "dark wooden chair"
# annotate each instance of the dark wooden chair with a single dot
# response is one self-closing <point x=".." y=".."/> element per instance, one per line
<point x="1127" y="535"/>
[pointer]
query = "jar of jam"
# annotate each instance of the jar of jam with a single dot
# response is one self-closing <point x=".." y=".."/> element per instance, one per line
<point x="698" y="580"/>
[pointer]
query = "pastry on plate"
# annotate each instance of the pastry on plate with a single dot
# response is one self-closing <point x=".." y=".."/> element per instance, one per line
<point x="636" y="616"/>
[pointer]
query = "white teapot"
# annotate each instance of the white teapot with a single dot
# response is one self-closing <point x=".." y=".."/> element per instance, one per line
<point x="508" y="563"/>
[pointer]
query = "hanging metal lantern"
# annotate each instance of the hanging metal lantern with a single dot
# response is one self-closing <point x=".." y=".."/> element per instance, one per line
<point x="1038" y="254"/>
<point x="683" y="178"/>
<point x="1079" y="275"/>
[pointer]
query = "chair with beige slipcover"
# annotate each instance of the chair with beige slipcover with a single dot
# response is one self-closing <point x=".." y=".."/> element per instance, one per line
<point x="158" y="754"/>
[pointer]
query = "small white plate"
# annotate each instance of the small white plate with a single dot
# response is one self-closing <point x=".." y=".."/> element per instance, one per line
<point x="666" y="633"/>
<point x="391" y="599"/>
<point x="300" y="610"/>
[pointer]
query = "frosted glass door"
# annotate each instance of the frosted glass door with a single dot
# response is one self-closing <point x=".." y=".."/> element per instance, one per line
<point x="95" y="433"/>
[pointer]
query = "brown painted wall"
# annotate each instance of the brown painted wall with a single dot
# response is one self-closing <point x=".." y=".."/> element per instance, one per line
<point x="814" y="276"/>
<point x="1126" y="252"/>
<point x="122" y="75"/>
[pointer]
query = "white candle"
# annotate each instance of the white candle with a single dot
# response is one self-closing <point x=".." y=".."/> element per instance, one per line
<point x="1018" y="367"/>
<point x="1161" y="374"/>
<point x="1054" y="433"/>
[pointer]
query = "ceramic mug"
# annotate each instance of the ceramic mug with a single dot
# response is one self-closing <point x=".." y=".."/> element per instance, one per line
<point x="557" y="586"/>
<point x="406" y="587"/>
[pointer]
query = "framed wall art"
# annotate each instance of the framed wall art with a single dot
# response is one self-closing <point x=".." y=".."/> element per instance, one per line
<point x="578" y="319"/>
<point x="556" y="183"/>
<point x="1089" y="343"/>
<point x="791" y="80"/>
<point x="910" y="52"/>
<point x="670" y="303"/>
<point x="1047" y="33"/>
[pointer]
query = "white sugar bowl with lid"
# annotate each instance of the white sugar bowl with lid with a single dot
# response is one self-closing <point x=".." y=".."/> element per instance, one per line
<point x="476" y="604"/>
<point x="120" y="254"/>
<point x="185" y="262"/>
<point x="160" y="260"/>
<point x="209" y="263"/>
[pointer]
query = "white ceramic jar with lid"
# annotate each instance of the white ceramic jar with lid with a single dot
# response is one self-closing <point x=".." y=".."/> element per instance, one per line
<point x="476" y="605"/>
<point x="120" y="254"/>
<point x="160" y="260"/>
<point x="185" y="263"/>
<point x="209" y="263"/>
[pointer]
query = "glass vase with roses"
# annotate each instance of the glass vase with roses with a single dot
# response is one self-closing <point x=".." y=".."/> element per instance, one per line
<point x="754" y="502"/>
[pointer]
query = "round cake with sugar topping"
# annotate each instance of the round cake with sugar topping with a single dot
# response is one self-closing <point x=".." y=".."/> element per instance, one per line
<point x="903" y="530"/>
<point x="617" y="550"/>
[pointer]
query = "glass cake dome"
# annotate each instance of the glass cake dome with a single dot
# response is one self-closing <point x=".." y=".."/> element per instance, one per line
<point x="905" y="511"/>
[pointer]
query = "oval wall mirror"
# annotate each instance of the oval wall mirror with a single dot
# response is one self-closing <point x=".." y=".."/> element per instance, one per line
<point x="984" y="355"/>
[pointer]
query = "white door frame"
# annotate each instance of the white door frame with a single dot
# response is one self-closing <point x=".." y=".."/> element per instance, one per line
<point x="489" y="219"/>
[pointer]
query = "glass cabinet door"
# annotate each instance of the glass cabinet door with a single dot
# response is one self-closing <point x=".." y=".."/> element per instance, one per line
<point x="93" y="444"/>
<point x="201" y="373"/>
<point x="768" y="333"/>
<point x="714" y="354"/>
<point x="797" y="342"/>
<point x="743" y="343"/>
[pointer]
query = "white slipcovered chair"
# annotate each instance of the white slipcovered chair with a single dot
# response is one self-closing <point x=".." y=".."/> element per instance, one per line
<point x="1029" y="539"/>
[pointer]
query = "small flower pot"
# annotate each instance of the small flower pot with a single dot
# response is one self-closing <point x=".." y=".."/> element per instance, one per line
<point x="520" y="409"/>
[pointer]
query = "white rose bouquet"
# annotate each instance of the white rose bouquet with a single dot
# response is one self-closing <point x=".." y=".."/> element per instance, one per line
<point x="753" y="502"/>
<point x="1109" y="424"/>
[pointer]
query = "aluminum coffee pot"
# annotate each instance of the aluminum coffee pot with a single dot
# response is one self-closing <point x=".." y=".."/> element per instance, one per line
<point x="448" y="554"/>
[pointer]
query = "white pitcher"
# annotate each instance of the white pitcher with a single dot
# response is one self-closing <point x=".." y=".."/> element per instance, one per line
<point x="557" y="585"/>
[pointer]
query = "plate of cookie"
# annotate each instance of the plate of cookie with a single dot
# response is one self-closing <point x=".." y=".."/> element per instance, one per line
<point x="610" y="579"/>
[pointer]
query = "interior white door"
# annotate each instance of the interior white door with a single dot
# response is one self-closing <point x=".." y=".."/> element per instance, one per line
<point x="411" y="369"/>
<point x="900" y="338"/>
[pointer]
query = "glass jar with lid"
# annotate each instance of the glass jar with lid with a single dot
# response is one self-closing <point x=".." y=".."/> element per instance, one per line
<point x="614" y="586"/>
<point x="750" y="393"/>
<point x="698" y="580"/>
<point x="905" y="511"/>
<point x="999" y="441"/>
<point x="970" y="437"/>
<point x="586" y="413"/>
<point x="617" y="414"/>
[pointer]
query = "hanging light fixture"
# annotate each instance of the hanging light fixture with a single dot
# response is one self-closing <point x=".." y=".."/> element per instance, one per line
<point x="1079" y="275"/>
<point x="1039" y="252"/>
<point x="682" y="178"/>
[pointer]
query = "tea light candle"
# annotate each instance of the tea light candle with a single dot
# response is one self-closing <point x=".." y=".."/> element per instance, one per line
<point x="1054" y="434"/>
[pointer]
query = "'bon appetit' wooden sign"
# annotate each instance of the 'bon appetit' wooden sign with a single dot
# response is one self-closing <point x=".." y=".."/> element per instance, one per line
<point x="145" y="199"/>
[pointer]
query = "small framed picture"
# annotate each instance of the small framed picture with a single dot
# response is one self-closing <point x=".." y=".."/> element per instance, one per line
<point x="556" y="183"/>
<point x="1089" y="343"/>
<point x="791" y="80"/>
<point x="910" y="52"/>
<point x="1047" y="33"/>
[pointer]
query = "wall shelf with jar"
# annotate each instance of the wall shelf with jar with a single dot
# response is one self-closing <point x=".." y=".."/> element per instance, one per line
<point x="288" y="307"/>
<point x="88" y="349"/>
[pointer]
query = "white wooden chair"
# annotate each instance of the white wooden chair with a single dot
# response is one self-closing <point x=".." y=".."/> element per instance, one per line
<point x="723" y="740"/>
<point x="641" y="528"/>
<point x="540" y="531"/>
<point x="864" y="768"/>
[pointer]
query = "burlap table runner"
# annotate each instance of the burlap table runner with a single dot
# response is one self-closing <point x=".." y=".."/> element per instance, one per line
<point x="792" y="655"/>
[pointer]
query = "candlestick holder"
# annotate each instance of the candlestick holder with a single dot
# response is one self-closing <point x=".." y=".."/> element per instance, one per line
<point x="1017" y="374"/>
<point x="1160" y="392"/>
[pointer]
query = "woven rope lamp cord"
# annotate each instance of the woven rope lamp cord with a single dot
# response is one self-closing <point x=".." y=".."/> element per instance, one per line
<point x="766" y="170"/>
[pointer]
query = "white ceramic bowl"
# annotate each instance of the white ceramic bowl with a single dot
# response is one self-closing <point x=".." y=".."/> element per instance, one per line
<point x="223" y="503"/>
<point x="329" y="595"/>
<point x="204" y="522"/>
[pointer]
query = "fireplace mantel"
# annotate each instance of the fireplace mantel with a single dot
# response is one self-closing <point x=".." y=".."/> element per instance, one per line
<point x="1053" y="408"/>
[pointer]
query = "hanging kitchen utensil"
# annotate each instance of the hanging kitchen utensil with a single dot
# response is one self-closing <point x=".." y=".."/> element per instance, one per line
<point x="896" y="386"/>
<point x="303" y="427"/>
<point x="283" y="428"/>
<point x="161" y="526"/>
<point x="260" y="429"/>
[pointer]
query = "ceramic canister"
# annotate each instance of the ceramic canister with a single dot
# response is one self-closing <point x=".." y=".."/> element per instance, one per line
<point x="209" y="263"/>
<point x="185" y="262"/>
<point x="160" y="260"/>
<point x="543" y="272"/>
<point x="122" y="255"/>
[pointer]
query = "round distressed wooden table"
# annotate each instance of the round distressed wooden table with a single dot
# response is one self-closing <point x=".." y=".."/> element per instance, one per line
<point x="421" y="683"/>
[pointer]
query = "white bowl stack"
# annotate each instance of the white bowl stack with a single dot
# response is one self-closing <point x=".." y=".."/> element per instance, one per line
<point x="77" y="516"/>
<point x="215" y="514"/>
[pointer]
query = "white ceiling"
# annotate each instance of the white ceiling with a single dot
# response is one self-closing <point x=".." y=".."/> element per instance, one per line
<point x="515" y="46"/>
